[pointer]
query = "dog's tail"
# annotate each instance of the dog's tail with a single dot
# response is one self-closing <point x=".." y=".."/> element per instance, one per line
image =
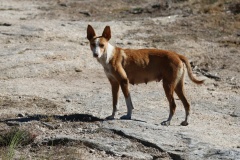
<point x="189" y="70"/>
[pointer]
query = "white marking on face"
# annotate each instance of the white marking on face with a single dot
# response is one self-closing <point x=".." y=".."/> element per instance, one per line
<point x="107" y="55"/>
<point x="96" y="49"/>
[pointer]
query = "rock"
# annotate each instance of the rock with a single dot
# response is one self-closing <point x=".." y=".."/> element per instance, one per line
<point x="136" y="10"/>
<point x="20" y="115"/>
<point x="222" y="154"/>
<point x="63" y="4"/>
<point x="5" y="24"/>
<point x="236" y="112"/>
<point x="238" y="34"/>
<point x="13" y="123"/>
<point x="78" y="70"/>
<point x="234" y="8"/>
<point x="85" y="13"/>
<point x="50" y="126"/>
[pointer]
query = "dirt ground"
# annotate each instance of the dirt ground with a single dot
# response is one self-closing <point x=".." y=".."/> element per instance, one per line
<point x="51" y="85"/>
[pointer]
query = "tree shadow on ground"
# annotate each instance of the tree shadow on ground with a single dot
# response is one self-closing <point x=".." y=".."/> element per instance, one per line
<point x="71" y="118"/>
<point x="64" y="118"/>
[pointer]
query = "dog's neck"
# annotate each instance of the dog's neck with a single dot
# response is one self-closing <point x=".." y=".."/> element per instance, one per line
<point x="108" y="55"/>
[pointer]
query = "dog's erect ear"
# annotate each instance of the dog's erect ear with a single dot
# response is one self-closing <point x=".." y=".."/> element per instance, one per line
<point x="107" y="33"/>
<point x="90" y="32"/>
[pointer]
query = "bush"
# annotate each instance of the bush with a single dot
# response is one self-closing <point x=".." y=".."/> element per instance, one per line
<point x="16" y="137"/>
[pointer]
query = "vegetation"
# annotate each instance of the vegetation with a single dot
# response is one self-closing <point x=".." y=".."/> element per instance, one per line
<point x="12" y="139"/>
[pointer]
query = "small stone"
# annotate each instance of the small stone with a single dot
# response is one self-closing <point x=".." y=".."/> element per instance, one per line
<point x="78" y="70"/>
<point x="80" y="130"/>
<point x="5" y="24"/>
<point x="13" y="123"/>
<point x="210" y="89"/>
<point x="20" y="115"/>
<point x="137" y="10"/>
<point x="85" y="13"/>
<point x="58" y="126"/>
<point x="63" y="4"/>
<point x="91" y="151"/>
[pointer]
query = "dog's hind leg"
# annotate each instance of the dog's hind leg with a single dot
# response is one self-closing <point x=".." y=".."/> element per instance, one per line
<point x="115" y="94"/>
<point x="169" y="90"/>
<point x="180" y="92"/>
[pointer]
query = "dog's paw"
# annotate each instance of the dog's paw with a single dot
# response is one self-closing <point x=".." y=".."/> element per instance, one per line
<point x="184" y="123"/>
<point x="125" y="117"/>
<point x="109" y="117"/>
<point x="165" y="123"/>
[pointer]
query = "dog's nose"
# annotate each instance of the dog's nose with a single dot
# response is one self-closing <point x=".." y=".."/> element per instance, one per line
<point x="95" y="55"/>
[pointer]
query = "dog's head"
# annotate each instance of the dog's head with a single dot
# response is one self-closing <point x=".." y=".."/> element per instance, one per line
<point x="98" y="44"/>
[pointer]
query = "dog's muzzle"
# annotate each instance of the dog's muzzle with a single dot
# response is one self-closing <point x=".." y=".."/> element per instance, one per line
<point x="95" y="55"/>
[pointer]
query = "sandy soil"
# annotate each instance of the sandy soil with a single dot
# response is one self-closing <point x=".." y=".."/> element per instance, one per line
<point x="51" y="85"/>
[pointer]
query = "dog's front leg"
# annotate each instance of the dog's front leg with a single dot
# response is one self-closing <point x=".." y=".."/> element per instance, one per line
<point x="115" y="94"/>
<point x="124" y="86"/>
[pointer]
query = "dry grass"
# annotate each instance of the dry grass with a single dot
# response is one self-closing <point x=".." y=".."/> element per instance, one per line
<point x="47" y="119"/>
<point x="12" y="139"/>
<point x="60" y="152"/>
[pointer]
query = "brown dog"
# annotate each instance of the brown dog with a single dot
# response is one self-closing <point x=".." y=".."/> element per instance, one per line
<point x="124" y="66"/>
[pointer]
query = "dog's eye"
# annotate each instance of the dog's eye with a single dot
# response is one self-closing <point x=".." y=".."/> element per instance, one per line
<point x="101" y="45"/>
<point x="93" y="44"/>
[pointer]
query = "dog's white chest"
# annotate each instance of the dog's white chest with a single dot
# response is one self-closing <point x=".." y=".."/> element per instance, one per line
<point x="108" y="71"/>
<point x="107" y="67"/>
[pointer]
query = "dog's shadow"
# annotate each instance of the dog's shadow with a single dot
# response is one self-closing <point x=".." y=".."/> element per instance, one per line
<point x="64" y="118"/>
